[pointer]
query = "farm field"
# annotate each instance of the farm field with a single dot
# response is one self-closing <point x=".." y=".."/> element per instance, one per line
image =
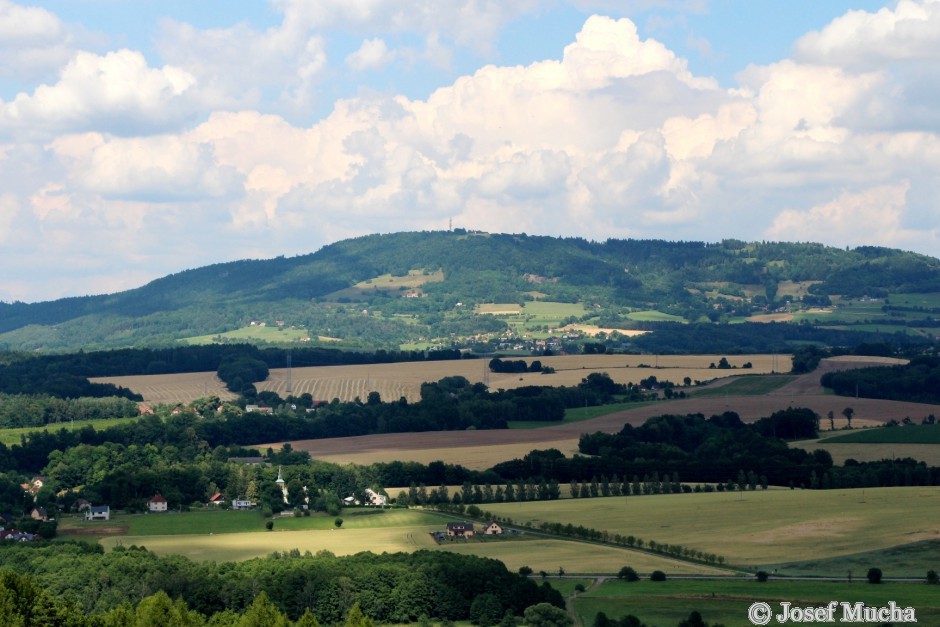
<point x="14" y="435"/>
<point x="394" y="381"/>
<point x="255" y="333"/>
<point x="228" y="535"/>
<point x="756" y="528"/>
<point x="173" y="388"/>
<point x="727" y="601"/>
<point x="912" y="434"/>
<point x="928" y="453"/>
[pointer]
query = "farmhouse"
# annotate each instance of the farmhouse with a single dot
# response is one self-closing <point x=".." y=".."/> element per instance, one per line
<point x="157" y="504"/>
<point x="460" y="529"/>
<point x="39" y="513"/>
<point x="216" y="499"/>
<point x="98" y="512"/>
<point x="492" y="528"/>
<point x="374" y="498"/>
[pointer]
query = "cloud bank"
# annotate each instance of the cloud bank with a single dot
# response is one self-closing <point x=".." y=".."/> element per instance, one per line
<point x="122" y="169"/>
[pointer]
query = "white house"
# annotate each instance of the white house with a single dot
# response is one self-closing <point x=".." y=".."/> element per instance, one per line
<point x="157" y="504"/>
<point x="242" y="504"/>
<point x="374" y="498"/>
<point x="98" y="512"/>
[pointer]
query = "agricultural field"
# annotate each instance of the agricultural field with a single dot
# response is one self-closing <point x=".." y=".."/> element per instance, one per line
<point x="173" y="388"/>
<point x="911" y="434"/>
<point x="753" y="529"/>
<point x="393" y="381"/>
<point x="727" y="601"/>
<point x="271" y="334"/>
<point x="14" y="435"/>
<point x="386" y="283"/>
<point x="228" y="535"/>
<point x="920" y="442"/>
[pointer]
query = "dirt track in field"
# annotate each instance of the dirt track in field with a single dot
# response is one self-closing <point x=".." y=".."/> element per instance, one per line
<point x="473" y="448"/>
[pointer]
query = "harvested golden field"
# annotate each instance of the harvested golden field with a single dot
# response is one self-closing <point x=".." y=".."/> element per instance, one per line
<point x="394" y="381"/>
<point x="172" y="388"/>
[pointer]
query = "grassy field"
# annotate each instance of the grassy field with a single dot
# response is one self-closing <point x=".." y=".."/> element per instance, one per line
<point x="268" y="333"/>
<point x="756" y="528"/>
<point x="228" y="535"/>
<point x="653" y="316"/>
<point x="549" y="554"/>
<point x="911" y="434"/>
<point x="577" y="414"/>
<point x="928" y="453"/>
<point x="727" y="602"/>
<point x="13" y="436"/>
<point x="746" y="386"/>
<point x="392" y="381"/>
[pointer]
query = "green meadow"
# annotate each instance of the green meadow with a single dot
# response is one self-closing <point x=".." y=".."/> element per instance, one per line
<point x="911" y="434"/>
<point x="755" y="385"/>
<point x="15" y="435"/>
<point x="752" y="529"/>
<point x="726" y="602"/>
<point x="269" y="333"/>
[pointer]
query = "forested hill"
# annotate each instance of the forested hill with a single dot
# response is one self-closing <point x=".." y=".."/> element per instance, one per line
<point x="413" y="285"/>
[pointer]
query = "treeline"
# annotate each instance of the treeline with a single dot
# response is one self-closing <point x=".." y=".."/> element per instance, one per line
<point x="66" y="376"/>
<point x="386" y="588"/>
<point x="716" y="450"/>
<point x="450" y="404"/>
<point x="752" y="337"/>
<point x="26" y="410"/>
<point x="917" y="381"/>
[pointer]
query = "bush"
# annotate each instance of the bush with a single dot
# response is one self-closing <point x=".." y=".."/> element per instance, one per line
<point x="932" y="577"/>
<point x="269" y="525"/>
<point x="628" y="574"/>
<point x="657" y="575"/>
<point x="762" y="576"/>
<point x="874" y="575"/>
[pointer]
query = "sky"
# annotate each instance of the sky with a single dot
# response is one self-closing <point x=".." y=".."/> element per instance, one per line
<point x="139" y="138"/>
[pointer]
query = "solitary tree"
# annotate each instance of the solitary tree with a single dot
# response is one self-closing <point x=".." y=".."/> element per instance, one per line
<point x="338" y="522"/>
<point x="628" y="574"/>
<point x="832" y="420"/>
<point x="874" y="575"/>
<point x="848" y="412"/>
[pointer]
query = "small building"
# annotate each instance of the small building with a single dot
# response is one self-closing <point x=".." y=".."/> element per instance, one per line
<point x="216" y="499"/>
<point x="39" y="513"/>
<point x="242" y="504"/>
<point x="82" y="505"/>
<point x="492" y="528"/>
<point x="157" y="504"/>
<point x="374" y="498"/>
<point x="460" y="529"/>
<point x="98" y="512"/>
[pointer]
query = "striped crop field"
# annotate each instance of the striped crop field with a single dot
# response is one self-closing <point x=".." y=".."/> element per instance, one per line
<point x="393" y="381"/>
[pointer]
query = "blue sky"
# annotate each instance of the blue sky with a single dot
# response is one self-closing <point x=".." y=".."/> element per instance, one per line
<point x="142" y="138"/>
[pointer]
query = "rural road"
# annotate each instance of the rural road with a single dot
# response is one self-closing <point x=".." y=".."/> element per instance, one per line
<point x="468" y="447"/>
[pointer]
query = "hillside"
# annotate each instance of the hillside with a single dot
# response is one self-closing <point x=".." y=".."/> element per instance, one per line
<point x="422" y="289"/>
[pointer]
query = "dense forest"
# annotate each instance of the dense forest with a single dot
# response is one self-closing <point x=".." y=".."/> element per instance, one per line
<point x="695" y="281"/>
<point x="917" y="381"/>
<point x="79" y="581"/>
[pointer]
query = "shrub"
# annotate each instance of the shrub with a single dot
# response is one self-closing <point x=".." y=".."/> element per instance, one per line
<point x="874" y="575"/>
<point x="657" y="575"/>
<point x="628" y="574"/>
<point x="762" y="576"/>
